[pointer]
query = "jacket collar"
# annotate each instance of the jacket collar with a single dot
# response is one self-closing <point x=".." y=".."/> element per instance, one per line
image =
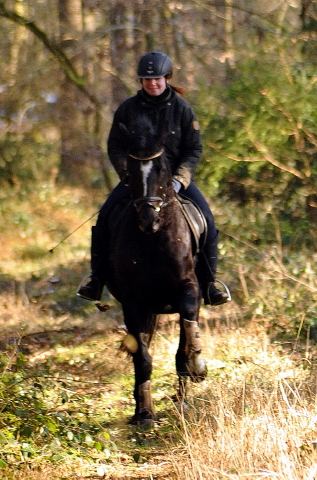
<point x="160" y="99"/>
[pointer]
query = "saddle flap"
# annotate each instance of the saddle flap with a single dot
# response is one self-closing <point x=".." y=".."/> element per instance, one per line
<point x="196" y="221"/>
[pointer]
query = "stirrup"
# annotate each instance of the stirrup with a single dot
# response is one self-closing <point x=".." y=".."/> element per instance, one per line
<point x="227" y="290"/>
<point x="81" y="283"/>
<point x="96" y="293"/>
<point x="213" y="296"/>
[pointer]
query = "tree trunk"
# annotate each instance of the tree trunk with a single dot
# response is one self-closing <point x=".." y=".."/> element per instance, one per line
<point x="71" y="102"/>
<point x="118" y="50"/>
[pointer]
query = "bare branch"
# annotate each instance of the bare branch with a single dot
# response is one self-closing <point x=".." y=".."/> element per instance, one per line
<point x="269" y="158"/>
<point x="266" y="157"/>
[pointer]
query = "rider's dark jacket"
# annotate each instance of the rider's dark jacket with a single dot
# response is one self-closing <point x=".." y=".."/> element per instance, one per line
<point x="183" y="145"/>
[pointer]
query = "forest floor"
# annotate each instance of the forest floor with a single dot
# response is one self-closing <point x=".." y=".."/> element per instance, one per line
<point x="67" y="389"/>
<point x="67" y="395"/>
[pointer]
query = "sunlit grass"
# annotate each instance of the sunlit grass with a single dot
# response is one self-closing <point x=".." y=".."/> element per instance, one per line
<point x="255" y="415"/>
<point x="37" y="220"/>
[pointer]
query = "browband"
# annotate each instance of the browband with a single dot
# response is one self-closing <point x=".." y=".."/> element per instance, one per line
<point x="158" y="154"/>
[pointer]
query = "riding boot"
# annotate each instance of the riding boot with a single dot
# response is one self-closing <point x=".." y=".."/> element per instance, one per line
<point x="93" y="290"/>
<point x="208" y="260"/>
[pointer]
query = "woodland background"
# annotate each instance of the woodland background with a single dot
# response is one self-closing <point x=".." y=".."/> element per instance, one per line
<point x="249" y="68"/>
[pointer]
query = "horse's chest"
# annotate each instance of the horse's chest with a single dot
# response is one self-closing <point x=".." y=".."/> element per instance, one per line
<point x="151" y="263"/>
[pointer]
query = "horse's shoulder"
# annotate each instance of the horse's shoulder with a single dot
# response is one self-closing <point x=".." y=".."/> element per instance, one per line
<point x="119" y="212"/>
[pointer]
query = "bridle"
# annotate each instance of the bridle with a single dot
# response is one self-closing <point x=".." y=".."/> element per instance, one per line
<point x="155" y="202"/>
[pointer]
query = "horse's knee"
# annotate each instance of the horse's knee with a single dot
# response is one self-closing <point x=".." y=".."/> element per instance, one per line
<point x="143" y="365"/>
<point x="189" y="301"/>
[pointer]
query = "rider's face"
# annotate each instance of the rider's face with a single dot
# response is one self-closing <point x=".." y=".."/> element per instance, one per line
<point x="154" y="86"/>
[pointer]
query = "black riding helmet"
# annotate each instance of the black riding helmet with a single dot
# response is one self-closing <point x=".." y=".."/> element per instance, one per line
<point x="155" y="65"/>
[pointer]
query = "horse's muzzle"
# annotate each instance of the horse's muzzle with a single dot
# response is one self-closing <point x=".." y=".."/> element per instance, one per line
<point x="150" y="227"/>
<point x="148" y="209"/>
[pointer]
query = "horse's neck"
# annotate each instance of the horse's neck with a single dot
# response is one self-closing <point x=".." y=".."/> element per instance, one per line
<point x="173" y="216"/>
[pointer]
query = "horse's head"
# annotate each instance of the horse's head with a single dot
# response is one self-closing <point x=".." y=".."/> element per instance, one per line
<point x="149" y="173"/>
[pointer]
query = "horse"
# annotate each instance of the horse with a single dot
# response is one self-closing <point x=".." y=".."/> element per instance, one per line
<point x="151" y="266"/>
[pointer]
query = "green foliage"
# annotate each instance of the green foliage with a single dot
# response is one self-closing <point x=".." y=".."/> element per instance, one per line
<point x="260" y="132"/>
<point x="27" y="160"/>
<point x="40" y="416"/>
<point x="286" y="302"/>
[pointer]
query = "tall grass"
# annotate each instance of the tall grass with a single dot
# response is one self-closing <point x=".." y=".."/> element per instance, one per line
<point x="256" y="418"/>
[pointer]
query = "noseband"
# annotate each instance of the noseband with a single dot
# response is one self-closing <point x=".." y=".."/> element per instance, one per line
<point x="155" y="202"/>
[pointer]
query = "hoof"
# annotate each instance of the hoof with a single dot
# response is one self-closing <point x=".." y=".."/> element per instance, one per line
<point x="182" y="407"/>
<point x="143" y="420"/>
<point x="197" y="368"/>
<point x="102" y="307"/>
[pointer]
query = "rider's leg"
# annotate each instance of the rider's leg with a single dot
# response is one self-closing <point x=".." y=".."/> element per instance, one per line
<point x="93" y="289"/>
<point x="208" y="257"/>
<point x="99" y="242"/>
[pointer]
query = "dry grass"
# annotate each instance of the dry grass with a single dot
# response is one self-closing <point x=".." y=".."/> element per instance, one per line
<point x="254" y="417"/>
<point x="258" y="420"/>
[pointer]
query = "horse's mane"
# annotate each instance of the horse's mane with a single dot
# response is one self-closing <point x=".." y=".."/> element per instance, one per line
<point x="142" y="137"/>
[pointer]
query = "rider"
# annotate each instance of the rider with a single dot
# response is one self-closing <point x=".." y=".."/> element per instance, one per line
<point x="183" y="147"/>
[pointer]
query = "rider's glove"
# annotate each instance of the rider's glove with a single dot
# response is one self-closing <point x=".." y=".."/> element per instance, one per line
<point x="176" y="185"/>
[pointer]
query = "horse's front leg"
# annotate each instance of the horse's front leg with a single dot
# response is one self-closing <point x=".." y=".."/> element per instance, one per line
<point x="142" y="328"/>
<point x="196" y="365"/>
<point x="189" y="362"/>
<point x="144" y="408"/>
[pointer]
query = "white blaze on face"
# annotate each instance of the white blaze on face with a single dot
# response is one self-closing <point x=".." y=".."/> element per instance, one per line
<point x="146" y="168"/>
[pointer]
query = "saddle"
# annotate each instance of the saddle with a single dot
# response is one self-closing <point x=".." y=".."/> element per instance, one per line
<point x="196" y="222"/>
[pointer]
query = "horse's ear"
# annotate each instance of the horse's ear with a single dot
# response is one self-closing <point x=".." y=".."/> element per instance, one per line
<point x="123" y="128"/>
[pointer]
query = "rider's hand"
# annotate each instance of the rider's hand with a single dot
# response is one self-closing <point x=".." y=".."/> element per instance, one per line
<point x="176" y="185"/>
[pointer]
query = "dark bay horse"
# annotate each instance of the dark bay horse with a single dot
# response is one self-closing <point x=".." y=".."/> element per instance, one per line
<point x="151" y="266"/>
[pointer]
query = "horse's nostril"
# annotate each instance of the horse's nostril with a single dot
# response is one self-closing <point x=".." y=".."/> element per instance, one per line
<point x="156" y="225"/>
